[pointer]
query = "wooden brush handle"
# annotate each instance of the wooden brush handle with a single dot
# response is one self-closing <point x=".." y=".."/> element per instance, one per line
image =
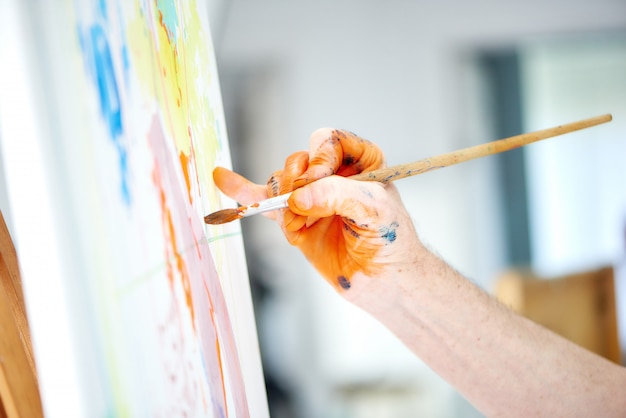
<point x="386" y="175"/>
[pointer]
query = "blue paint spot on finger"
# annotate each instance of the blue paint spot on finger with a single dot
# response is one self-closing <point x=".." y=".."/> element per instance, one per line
<point x="389" y="232"/>
<point x="344" y="282"/>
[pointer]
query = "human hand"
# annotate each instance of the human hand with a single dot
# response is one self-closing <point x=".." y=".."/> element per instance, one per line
<point x="356" y="234"/>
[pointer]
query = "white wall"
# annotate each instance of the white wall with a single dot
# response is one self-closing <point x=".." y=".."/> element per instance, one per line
<point x="403" y="74"/>
<point x="576" y="187"/>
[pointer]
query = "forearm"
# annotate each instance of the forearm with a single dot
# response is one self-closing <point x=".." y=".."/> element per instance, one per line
<point x="504" y="364"/>
<point x="361" y="239"/>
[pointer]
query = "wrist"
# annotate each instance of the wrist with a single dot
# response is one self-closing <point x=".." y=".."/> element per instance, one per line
<point x="398" y="287"/>
<point x="412" y="299"/>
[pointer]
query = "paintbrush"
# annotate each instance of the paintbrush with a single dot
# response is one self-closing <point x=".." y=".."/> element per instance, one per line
<point x="386" y="175"/>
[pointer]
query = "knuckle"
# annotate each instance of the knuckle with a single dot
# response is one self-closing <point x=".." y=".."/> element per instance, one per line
<point x="273" y="183"/>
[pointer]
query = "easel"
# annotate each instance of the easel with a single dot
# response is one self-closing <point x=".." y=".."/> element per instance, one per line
<point x="19" y="392"/>
<point x="579" y="306"/>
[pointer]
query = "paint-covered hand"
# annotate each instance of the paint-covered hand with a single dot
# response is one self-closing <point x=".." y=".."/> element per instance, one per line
<point x="353" y="232"/>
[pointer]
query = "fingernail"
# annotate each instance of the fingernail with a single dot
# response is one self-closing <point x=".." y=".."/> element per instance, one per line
<point x="299" y="182"/>
<point x="288" y="217"/>
<point x="301" y="200"/>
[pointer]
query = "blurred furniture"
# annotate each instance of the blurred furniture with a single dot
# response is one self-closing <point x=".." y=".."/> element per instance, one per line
<point x="19" y="392"/>
<point x="580" y="306"/>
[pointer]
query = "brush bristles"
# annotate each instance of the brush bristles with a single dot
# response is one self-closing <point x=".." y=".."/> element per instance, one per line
<point x="222" y="216"/>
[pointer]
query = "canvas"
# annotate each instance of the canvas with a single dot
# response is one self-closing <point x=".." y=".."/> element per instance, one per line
<point x="156" y="304"/>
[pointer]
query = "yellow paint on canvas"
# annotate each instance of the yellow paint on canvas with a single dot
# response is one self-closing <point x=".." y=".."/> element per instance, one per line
<point x="177" y="74"/>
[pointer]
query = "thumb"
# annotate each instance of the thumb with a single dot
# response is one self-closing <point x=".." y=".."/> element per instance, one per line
<point x="361" y="202"/>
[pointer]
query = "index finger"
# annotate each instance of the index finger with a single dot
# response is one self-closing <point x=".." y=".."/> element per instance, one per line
<point x="238" y="187"/>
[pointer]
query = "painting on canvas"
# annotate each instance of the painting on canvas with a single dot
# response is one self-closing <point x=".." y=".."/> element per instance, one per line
<point x="158" y="303"/>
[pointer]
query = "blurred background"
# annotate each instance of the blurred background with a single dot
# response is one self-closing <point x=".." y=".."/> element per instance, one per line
<point x="422" y="78"/>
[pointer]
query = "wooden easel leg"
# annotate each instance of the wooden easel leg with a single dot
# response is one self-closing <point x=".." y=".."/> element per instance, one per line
<point x="19" y="392"/>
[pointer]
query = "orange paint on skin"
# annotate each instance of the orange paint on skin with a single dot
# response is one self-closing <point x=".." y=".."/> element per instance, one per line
<point x="339" y="248"/>
<point x="295" y="165"/>
<point x="234" y="184"/>
<point x="342" y="153"/>
<point x="354" y="253"/>
<point x="292" y="221"/>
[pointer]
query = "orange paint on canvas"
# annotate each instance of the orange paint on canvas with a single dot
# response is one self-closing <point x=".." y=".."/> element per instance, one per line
<point x="172" y="252"/>
<point x="218" y="349"/>
<point x="181" y="60"/>
<point x="184" y="163"/>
